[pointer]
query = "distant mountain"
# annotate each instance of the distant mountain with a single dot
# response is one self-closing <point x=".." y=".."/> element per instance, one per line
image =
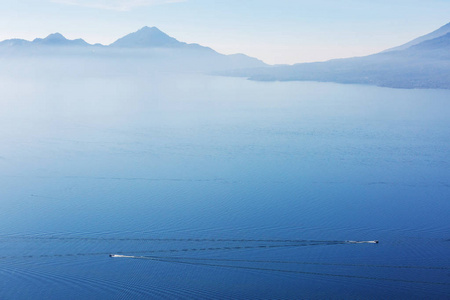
<point x="422" y="65"/>
<point x="152" y="37"/>
<point x="147" y="37"/>
<point x="147" y="46"/>
<point x="435" y="34"/>
<point x="57" y="39"/>
<point x="54" y="39"/>
<point x="440" y="43"/>
<point x="14" y="43"/>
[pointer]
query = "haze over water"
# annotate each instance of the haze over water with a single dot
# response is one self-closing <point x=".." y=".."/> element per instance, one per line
<point x="226" y="171"/>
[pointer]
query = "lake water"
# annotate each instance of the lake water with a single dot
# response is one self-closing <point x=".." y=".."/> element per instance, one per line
<point x="225" y="189"/>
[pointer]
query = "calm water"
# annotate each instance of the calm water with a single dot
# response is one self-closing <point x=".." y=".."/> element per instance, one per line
<point x="237" y="189"/>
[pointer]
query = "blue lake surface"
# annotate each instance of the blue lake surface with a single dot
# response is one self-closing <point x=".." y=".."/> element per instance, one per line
<point x="228" y="189"/>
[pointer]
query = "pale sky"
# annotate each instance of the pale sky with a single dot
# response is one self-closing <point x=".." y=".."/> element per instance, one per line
<point x="276" y="31"/>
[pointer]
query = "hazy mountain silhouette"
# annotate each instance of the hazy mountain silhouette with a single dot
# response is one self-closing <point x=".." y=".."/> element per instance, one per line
<point x="421" y="65"/>
<point x="57" y="39"/>
<point x="435" y="34"/>
<point x="54" y="39"/>
<point x="441" y="43"/>
<point x="152" y="37"/>
<point x="147" y="37"/>
<point x="14" y="43"/>
<point x="148" y="46"/>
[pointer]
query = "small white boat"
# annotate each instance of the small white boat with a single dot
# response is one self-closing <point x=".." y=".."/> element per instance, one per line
<point x="118" y="255"/>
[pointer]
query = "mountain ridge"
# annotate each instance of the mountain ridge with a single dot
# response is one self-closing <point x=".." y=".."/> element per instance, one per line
<point x="146" y="43"/>
<point x="53" y="39"/>
<point x="57" y="39"/>
<point x="147" y="37"/>
<point x="443" y="30"/>
<point x="422" y="65"/>
<point x="439" y="42"/>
